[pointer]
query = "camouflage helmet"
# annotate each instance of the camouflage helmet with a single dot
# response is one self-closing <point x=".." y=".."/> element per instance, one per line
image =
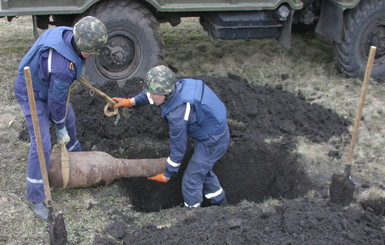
<point x="159" y="80"/>
<point x="90" y="35"/>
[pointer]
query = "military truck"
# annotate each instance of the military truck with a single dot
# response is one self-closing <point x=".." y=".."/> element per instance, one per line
<point x="135" y="42"/>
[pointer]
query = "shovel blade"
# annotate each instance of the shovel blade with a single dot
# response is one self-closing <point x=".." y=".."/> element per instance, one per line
<point x="341" y="189"/>
<point x="57" y="230"/>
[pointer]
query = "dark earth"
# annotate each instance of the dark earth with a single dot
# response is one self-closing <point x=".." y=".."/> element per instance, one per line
<point x="264" y="123"/>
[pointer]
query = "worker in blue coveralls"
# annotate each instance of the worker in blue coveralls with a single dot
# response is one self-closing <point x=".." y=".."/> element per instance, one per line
<point x="55" y="61"/>
<point x="189" y="108"/>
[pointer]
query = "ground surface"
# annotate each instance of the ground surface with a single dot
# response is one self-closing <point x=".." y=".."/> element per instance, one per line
<point x="259" y="164"/>
<point x="108" y="215"/>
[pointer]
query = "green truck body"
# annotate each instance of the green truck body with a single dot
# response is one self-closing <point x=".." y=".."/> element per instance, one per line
<point x="136" y="46"/>
<point x="21" y="7"/>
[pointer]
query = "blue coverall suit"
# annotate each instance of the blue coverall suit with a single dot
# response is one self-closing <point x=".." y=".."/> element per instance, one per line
<point x="194" y="109"/>
<point x="54" y="65"/>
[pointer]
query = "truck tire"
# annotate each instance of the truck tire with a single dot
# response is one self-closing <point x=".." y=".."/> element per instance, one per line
<point x="364" y="26"/>
<point x="135" y="44"/>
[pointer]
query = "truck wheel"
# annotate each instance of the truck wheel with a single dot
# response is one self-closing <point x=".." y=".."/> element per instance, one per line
<point x="364" y="26"/>
<point x="135" y="44"/>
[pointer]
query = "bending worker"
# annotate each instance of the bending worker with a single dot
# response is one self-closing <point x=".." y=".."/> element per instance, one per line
<point x="189" y="107"/>
<point x="55" y="61"/>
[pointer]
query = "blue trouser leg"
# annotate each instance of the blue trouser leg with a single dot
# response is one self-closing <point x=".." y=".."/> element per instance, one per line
<point x="199" y="178"/>
<point x="35" y="187"/>
<point x="212" y="189"/>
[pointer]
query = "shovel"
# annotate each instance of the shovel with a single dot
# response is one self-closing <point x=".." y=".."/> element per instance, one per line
<point x="342" y="186"/>
<point x="56" y="227"/>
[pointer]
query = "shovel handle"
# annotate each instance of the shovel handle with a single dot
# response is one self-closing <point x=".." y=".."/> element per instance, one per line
<point x="368" y="71"/>
<point x="36" y="129"/>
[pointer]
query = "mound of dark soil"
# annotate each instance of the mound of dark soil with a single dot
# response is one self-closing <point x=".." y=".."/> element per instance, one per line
<point x="264" y="123"/>
<point x="299" y="221"/>
<point x="376" y="206"/>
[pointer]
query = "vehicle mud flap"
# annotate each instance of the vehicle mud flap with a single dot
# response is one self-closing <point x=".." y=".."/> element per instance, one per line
<point x="285" y="37"/>
<point x="330" y="23"/>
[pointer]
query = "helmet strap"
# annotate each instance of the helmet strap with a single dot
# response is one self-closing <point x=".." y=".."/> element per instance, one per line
<point x="78" y="51"/>
<point x="167" y="96"/>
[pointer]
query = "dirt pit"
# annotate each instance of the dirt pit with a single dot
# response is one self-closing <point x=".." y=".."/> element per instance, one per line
<point x="264" y="125"/>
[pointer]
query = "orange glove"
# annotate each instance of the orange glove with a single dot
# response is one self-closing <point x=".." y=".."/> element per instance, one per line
<point x="159" y="178"/>
<point x="122" y="102"/>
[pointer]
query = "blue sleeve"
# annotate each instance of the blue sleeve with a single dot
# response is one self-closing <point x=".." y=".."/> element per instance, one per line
<point x="178" y="139"/>
<point x="141" y="99"/>
<point x="60" y="79"/>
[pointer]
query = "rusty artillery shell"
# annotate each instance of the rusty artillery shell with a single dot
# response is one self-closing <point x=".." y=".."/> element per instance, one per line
<point x="95" y="168"/>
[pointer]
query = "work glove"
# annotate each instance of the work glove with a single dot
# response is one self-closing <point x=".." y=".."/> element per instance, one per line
<point x="121" y="102"/>
<point x="62" y="136"/>
<point x="159" y="178"/>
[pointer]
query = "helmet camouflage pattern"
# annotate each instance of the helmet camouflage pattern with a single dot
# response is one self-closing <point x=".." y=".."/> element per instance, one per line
<point x="159" y="80"/>
<point x="90" y="35"/>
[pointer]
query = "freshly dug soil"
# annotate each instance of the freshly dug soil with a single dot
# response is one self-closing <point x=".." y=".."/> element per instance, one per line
<point x="259" y="163"/>
<point x="297" y="221"/>
<point x="264" y="123"/>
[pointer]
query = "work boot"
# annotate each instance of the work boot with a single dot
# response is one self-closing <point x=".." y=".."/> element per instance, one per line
<point x="39" y="209"/>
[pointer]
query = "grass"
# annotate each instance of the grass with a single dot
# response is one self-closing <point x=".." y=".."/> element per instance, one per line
<point x="309" y="67"/>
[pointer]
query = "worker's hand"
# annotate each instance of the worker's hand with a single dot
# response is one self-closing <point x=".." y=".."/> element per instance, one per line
<point x="159" y="178"/>
<point x="121" y="102"/>
<point x="62" y="136"/>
